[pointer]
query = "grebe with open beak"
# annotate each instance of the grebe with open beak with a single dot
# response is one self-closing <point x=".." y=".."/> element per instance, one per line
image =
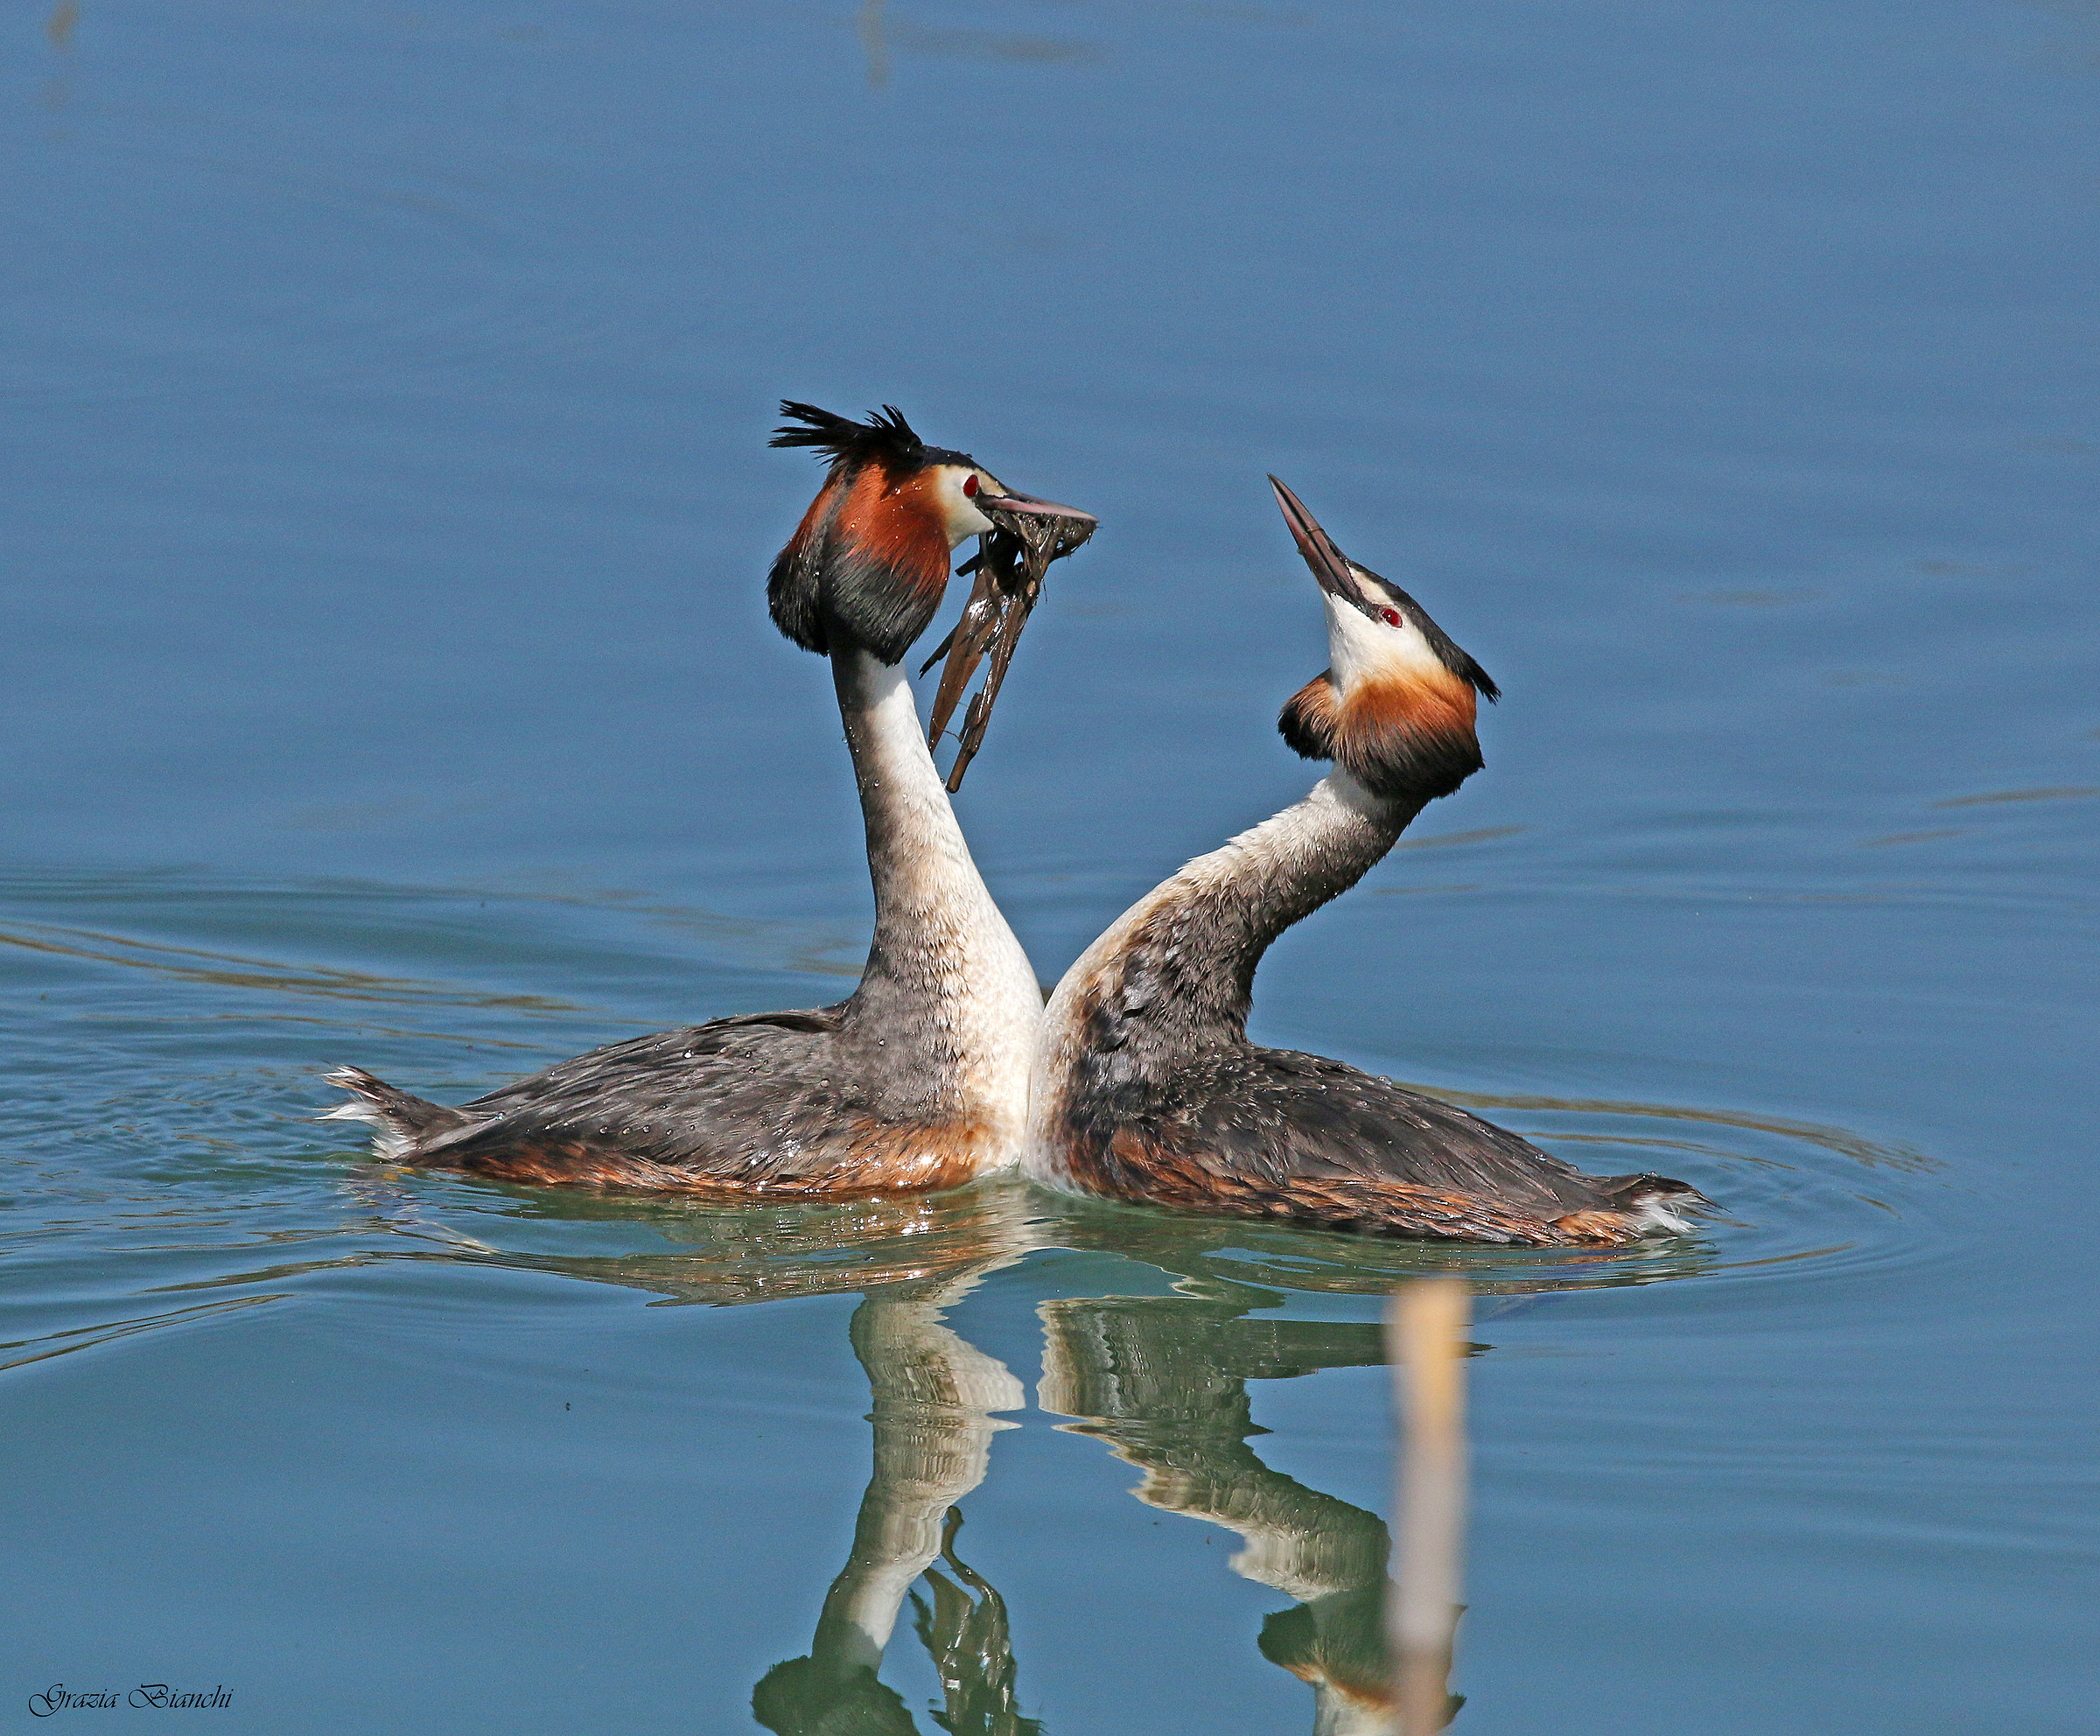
<point x="920" y="1079"/>
<point x="1146" y="1088"/>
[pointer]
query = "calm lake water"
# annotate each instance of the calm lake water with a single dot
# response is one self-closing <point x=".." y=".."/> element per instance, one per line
<point x="386" y="678"/>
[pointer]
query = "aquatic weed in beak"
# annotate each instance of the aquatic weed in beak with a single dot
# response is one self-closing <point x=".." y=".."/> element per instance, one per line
<point x="1011" y="561"/>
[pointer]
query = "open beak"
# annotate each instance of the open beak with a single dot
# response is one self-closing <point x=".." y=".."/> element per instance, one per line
<point x="1330" y="566"/>
<point x="1026" y="535"/>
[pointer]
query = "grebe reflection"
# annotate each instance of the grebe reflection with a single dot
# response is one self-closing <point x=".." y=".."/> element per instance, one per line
<point x="1163" y="1380"/>
<point x="936" y="1397"/>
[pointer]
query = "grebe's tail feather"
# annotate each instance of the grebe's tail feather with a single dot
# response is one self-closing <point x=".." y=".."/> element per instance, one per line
<point x="400" y="1120"/>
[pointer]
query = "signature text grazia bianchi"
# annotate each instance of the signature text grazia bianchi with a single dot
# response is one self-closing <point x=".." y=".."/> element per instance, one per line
<point x="153" y="1696"/>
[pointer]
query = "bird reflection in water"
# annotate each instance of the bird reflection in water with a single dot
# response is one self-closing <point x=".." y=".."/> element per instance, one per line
<point x="936" y="1400"/>
<point x="1163" y="1380"/>
<point x="936" y="1406"/>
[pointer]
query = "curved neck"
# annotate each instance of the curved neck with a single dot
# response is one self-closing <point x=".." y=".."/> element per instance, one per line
<point x="1186" y="953"/>
<point x="946" y="980"/>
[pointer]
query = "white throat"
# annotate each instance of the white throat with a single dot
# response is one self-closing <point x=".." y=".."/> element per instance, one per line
<point x="940" y="943"/>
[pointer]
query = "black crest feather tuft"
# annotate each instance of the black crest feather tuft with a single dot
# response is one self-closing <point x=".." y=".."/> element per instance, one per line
<point x="877" y="573"/>
<point x="841" y="440"/>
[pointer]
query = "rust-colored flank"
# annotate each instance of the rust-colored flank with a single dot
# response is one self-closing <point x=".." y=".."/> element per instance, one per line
<point x="1598" y="1228"/>
<point x="867" y="1158"/>
<point x="1143" y="1170"/>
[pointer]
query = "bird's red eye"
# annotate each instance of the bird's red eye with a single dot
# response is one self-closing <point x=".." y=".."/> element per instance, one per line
<point x="970" y="486"/>
<point x="1390" y="617"/>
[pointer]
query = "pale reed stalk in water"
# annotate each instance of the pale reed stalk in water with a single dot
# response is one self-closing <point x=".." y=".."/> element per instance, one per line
<point x="1425" y="1326"/>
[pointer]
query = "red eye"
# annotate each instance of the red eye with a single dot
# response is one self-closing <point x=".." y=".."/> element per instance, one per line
<point x="970" y="486"/>
<point x="1391" y="617"/>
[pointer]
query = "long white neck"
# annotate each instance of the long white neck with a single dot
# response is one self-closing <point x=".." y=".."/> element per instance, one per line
<point x="948" y="987"/>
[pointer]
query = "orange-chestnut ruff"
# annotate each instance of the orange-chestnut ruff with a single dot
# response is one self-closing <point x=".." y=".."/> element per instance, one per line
<point x="1407" y="732"/>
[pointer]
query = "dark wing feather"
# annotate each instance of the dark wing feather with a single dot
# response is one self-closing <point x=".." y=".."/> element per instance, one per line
<point x="739" y="1102"/>
<point x="1279" y="1114"/>
<point x="1272" y="1133"/>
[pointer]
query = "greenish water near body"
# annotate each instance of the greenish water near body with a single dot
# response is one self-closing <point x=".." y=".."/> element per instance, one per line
<point x="385" y="679"/>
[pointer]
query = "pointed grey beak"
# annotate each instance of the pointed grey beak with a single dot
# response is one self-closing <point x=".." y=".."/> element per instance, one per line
<point x="1330" y="566"/>
<point x="1026" y="506"/>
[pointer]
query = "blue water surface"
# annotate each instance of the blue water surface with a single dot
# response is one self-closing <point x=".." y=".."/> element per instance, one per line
<point x="385" y="677"/>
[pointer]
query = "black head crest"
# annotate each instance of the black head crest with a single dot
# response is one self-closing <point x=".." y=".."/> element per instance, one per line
<point x="871" y="555"/>
<point x="885" y="435"/>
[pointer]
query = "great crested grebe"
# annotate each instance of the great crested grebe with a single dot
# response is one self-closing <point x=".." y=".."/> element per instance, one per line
<point x="1146" y="1086"/>
<point x="920" y="1079"/>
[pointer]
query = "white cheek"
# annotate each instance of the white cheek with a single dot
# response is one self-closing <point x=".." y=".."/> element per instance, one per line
<point x="960" y="511"/>
<point x="1415" y="649"/>
<point x="966" y="521"/>
<point x="1353" y="640"/>
<point x="1357" y="645"/>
